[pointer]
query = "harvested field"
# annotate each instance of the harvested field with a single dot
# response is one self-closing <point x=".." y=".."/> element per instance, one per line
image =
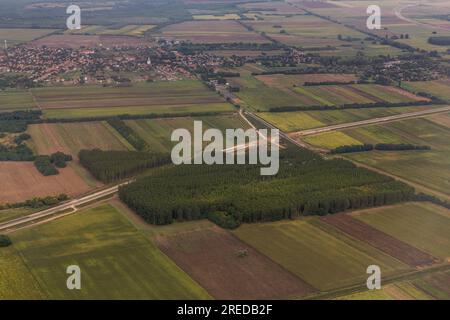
<point x="70" y="138"/>
<point x="380" y="240"/>
<point x="225" y="31"/>
<point x="228" y="268"/>
<point x="21" y="181"/>
<point x="77" y="41"/>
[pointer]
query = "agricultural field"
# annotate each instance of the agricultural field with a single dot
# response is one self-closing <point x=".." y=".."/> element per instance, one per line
<point x="70" y="138"/>
<point x="228" y="268"/>
<point x="438" y="88"/>
<point x="228" y="16"/>
<point x="321" y="256"/>
<point x="10" y="214"/>
<point x="118" y="262"/>
<point x="428" y="168"/>
<point x="427" y="226"/>
<point x="128" y="30"/>
<point x="185" y="96"/>
<point x="22" y="181"/>
<point x="76" y="41"/>
<point x="16" y="100"/>
<point x="211" y="31"/>
<point x="156" y="132"/>
<point x="302" y="120"/>
<point x="272" y="7"/>
<point x="16" y="36"/>
<point x="270" y="92"/>
<point x="431" y="286"/>
<point x="399" y="17"/>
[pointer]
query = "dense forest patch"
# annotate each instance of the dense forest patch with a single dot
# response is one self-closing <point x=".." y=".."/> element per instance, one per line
<point x="305" y="185"/>
<point x="109" y="166"/>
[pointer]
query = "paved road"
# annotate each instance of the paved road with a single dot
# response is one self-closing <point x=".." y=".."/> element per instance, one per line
<point x="397" y="117"/>
<point x="72" y="204"/>
<point x="298" y="143"/>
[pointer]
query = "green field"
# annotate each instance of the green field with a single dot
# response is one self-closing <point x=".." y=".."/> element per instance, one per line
<point x="317" y="253"/>
<point x="18" y="35"/>
<point x="157" y="132"/>
<point x="422" y="225"/>
<point x="117" y="111"/>
<point x="128" y="30"/>
<point x="274" y="92"/>
<point x="10" y="214"/>
<point x="302" y="120"/>
<point x="116" y="261"/>
<point x="438" y="88"/>
<point x="428" y="168"/>
<point x="16" y="100"/>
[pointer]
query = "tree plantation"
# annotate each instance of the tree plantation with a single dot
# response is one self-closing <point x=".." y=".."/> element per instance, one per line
<point x="305" y="185"/>
<point x="109" y="166"/>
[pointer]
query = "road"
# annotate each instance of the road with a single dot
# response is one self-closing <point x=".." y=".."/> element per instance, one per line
<point x="298" y="143"/>
<point x="397" y="117"/>
<point x="399" y="14"/>
<point x="72" y="204"/>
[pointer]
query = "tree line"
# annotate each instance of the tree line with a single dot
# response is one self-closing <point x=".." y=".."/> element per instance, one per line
<point x="354" y="106"/>
<point x="379" y="146"/>
<point x="135" y="140"/>
<point x="110" y="166"/>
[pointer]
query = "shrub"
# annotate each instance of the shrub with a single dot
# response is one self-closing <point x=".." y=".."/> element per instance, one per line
<point x="5" y="241"/>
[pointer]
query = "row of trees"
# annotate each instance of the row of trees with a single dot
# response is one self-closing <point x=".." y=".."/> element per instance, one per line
<point x="135" y="140"/>
<point x="379" y="146"/>
<point x="19" y="152"/>
<point x="36" y="203"/>
<point x="231" y="194"/>
<point x="353" y="106"/>
<point x="109" y="166"/>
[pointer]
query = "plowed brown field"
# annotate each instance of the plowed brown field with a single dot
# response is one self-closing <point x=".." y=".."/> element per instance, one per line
<point x="211" y="257"/>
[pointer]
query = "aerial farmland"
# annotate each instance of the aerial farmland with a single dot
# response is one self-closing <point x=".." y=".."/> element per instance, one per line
<point x="230" y="150"/>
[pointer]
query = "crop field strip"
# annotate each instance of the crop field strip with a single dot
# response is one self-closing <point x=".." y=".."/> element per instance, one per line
<point x="117" y="261"/>
<point x="427" y="226"/>
<point x="270" y="94"/>
<point x="383" y="242"/>
<point x="228" y="268"/>
<point x="156" y="132"/>
<point x="303" y="120"/>
<point x="212" y="31"/>
<point x="304" y="248"/>
<point x="70" y="138"/>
